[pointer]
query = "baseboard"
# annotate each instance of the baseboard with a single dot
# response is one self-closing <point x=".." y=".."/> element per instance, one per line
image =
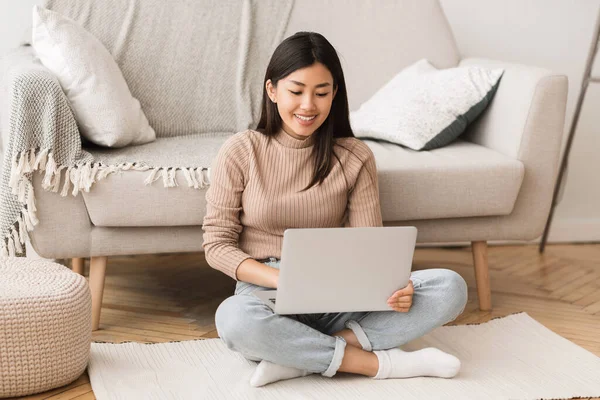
<point x="574" y="230"/>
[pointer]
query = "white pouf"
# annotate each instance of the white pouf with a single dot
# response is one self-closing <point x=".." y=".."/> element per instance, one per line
<point x="45" y="326"/>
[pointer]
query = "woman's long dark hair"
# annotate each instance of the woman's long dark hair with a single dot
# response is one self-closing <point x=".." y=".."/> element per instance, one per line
<point x="301" y="50"/>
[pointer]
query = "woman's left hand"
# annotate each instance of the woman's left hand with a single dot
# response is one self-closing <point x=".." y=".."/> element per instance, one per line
<point x="402" y="299"/>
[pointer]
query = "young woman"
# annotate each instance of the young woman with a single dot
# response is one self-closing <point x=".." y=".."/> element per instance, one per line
<point x="303" y="168"/>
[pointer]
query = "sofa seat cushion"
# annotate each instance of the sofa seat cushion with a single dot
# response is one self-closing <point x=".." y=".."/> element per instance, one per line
<point x="460" y="180"/>
<point x="122" y="199"/>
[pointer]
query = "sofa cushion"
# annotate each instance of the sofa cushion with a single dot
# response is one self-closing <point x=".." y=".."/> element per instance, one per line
<point x="424" y="108"/>
<point x="106" y="112"/>
<point x="122" y="198"/>
<point x="460" y="180"/>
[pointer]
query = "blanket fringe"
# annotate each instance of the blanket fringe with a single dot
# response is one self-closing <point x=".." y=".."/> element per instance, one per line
<point x="14" y="242"/>
<point x="82" y="177"/>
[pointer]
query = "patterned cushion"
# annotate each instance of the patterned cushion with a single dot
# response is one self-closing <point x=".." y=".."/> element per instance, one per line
<point x="424" y="108"/>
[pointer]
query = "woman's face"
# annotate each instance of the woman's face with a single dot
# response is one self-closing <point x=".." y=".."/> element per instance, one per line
<point x="303" y="99"/>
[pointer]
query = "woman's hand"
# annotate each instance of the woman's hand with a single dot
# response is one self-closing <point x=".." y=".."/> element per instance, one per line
<point x="402" y="299"/>
<point x="275" y="278"/>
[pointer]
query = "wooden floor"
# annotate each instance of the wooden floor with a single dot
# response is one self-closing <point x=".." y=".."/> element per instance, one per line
<point x="158" y="298"/>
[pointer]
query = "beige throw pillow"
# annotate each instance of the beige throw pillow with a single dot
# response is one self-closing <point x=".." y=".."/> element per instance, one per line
<point x="106" y="112"/>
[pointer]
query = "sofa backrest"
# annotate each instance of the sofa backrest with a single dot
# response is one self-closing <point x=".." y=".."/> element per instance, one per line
<point x="375" y="39"/>
<point x="161" y="50"/>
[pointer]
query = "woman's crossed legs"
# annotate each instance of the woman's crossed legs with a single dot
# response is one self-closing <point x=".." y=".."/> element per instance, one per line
<point x="317" y="343"/>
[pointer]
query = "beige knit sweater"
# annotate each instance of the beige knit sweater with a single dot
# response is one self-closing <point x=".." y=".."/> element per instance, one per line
<point x="254" y="195"/>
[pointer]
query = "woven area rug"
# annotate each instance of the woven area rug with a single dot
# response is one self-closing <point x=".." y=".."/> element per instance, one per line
<point x="512" y="357"/>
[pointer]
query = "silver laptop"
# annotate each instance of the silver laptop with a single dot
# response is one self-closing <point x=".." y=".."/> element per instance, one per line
<point x="326" y="270"/>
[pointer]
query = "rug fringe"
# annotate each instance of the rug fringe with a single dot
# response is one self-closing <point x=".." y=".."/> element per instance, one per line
<point x="81" y="177"/>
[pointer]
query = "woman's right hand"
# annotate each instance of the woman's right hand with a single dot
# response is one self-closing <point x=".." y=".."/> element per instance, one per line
<point x="276" y="277"/>
<point x="257" y="273"/>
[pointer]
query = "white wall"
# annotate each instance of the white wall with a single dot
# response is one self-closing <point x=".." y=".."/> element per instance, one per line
<point x="554" y="34"/>
<point x="15" y="22"/>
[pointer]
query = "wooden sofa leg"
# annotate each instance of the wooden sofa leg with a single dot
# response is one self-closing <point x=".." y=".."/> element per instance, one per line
<point x="480" y="259"/>
<point x="97" y="273"/>
<point x="77" y="265"/>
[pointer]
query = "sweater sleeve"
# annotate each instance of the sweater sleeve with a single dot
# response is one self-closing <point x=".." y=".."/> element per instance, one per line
<point x="363" y="208"/>
<point x="221" y="223"/>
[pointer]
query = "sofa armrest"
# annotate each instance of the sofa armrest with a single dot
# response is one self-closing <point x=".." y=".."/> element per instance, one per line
<point x="525" y="120"/>
<point x="36" y="117"/>
<point x="527" y="110"/>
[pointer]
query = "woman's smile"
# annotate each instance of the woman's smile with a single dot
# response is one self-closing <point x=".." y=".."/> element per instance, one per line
<point x="305" y="120"/>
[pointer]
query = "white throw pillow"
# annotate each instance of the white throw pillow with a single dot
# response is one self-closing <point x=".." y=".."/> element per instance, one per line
<point x="106" y="112"/>
<point x="424" y="108"/>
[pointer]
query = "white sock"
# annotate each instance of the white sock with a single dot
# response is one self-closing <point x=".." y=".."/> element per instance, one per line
<point x="396" y="363"/>
<point x="268" y="372"/>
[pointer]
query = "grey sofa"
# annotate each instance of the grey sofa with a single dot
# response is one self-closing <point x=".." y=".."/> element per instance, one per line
<point x="493" y="183"/>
